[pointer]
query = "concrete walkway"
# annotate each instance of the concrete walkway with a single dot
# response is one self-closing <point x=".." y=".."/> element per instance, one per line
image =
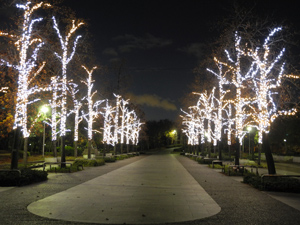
<point x="155" y="189"/>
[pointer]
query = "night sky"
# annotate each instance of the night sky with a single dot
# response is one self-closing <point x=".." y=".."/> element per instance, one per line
<point x="161" y="41"/>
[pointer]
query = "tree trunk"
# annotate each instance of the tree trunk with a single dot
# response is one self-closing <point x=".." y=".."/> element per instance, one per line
<point x="63" y="152"/>
<point x="220" y="151"/>
<point x="259" y="154"/>
<point x="237" y="153"/>
<point x="268" y="153"/>
<point x="25" y="151"/>
<point x="54" y="149"/>
<point x="15" y="150"/>
<point x="89" y="148"/>
<point x="75" y="149"/>
<point x="104" y="149"/>
<point x="229" y="151"/>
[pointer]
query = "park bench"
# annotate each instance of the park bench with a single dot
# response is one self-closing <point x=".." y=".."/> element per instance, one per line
<point x="217" y="162"/>
<point x="36" y="164"/>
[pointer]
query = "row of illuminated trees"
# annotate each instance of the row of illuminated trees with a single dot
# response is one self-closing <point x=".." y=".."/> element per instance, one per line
<point x="250" y="81"/>
<point x="120" y="125"/>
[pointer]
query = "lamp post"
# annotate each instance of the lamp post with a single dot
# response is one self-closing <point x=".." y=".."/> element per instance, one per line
<point x="44" y="110"/>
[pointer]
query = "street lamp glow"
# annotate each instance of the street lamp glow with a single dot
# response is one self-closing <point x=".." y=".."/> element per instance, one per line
<point x="249" y="128"/>
<point x="44" y="109"/>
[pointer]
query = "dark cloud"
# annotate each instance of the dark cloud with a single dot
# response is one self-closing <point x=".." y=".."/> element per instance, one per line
<point x="132" y="42"/>
<point x="195" y="49"/>
<point x="152" y="101"/>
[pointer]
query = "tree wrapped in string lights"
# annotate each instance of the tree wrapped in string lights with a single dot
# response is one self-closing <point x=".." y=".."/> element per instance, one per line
<point x="77" y="118"/>
<point x="125" y="132"/>
<point x="124" y="111"/>
<point x="65" y="57"/>
<point x="28" y="67"/>
<point x="107" y="113"/>
<point x="93" y="108"/>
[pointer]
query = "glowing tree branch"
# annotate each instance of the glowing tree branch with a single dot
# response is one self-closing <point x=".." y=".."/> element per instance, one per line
<point x="4" y="89"/>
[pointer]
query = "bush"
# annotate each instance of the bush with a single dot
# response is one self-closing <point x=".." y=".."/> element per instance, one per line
<point x="282" y="184"/>
<point x="27" y="176"/>
<point x="205" y="160"/>
<point x="121" y="157"/>
<point x="109" y="159"/>
<point x="89" y="162"/>
<point x="69" y="150"/>
<point x="273" y="183"/>
<point x="253" y="180"/>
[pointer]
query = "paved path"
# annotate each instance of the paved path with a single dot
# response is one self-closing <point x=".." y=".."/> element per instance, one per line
<point x="239" y="203"/>
<point x="156" y="189"/>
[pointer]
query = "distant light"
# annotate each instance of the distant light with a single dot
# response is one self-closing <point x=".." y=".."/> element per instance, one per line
<point x="284" y="140"/>
<point x="249" y="128"/>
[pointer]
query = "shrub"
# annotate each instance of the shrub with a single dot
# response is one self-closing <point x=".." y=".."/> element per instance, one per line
<point x="69" y="150"/>
<point x="109" y="159"/>
<point x="282" y="184"/>
<point x="89" y="162"/>
<point x="27" y="176"/>
<point x="121" y="157"/>
<point x="273" y="183"/>
<point x="205" y="160"/>
<point x="253" y="180"/>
